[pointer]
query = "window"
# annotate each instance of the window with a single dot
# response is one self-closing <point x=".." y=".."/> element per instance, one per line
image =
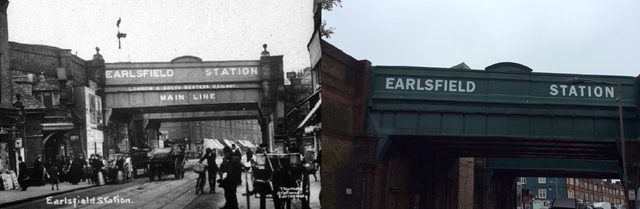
<point x="578" y="182"/>
<point x="523" y="180"/>
<point x="542" y="193"/>
<point x="55" y="99"/>
<point x="49" y="99"/>
<point x="542" y="180"/>
<point x="570" y="194"/>
<point x="571" y="181"/>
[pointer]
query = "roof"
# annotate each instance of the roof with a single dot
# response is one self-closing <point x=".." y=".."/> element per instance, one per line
<point x="29" y="101"/>
<point x="564" y="203"/>
<point x="44" y="84"/>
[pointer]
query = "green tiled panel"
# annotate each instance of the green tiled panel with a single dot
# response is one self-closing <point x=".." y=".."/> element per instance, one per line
<point x="562" y="127"/>
<point x="476" y="125"/>
<point x="519" y="125"/>
<point x="453" y="124"/>
<point x="583" y="127"/>
<point x="497" y="125"/>
<point x="406" y="123"/>
<point x="541" y="126"/>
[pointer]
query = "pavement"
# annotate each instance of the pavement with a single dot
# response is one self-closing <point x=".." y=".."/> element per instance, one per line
<point x="16" y="196"/>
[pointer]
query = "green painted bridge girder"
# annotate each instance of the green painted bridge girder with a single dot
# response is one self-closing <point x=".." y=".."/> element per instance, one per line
<point x="504" y="125"/>
<point x="458" y="102"/>
<point x="554" y="164"/>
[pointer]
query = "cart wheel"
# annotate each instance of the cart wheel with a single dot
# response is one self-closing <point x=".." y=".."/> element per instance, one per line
<point x="182" y="169"/>
<point x="135" y="172"/>
<point x="151" y="172"/>
<point x="306" y="190"/>
<point x="176" y="167"/>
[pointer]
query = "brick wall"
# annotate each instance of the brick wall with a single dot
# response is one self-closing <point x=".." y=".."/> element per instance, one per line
<point x="344" y="89"/>
<point x="38" y="58"/>
<point x="465" y="194"/>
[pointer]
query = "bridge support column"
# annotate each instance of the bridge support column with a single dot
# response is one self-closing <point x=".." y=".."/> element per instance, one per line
<point x="364" y="150"/>
<point x="480" y="189"/>
<point x="632" y="157"/>
<point x="266" y="131"/>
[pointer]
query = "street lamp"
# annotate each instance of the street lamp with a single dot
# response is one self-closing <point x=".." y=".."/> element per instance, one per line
<point x="575" y="81"/>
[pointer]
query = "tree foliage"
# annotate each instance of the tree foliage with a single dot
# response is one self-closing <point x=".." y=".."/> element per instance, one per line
<point x="328" y="5"/>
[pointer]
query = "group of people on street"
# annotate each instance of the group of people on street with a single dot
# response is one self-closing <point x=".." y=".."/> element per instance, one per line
<point x="232" y="167"/>
<point x="72" y="170"/>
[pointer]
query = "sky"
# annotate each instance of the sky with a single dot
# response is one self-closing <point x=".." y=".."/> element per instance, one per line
<point x="573" y="36"/>
<point x="161" y="30"/>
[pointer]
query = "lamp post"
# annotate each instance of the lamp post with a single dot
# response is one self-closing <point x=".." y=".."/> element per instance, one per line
<point x="575" y="81"/>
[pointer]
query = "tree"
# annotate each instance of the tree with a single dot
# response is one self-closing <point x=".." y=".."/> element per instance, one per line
<point x="328" y="6"/>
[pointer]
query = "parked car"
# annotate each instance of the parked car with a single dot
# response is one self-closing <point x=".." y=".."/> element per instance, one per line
<point x="564" y="203"/>
<point x="601" y="205"/>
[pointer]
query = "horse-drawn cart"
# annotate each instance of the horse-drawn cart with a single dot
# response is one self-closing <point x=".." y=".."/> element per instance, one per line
<point x="282" y="176"/>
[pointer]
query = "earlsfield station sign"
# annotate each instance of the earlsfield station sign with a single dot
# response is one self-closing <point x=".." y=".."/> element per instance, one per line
<point x="444" y="85"/>
<point x="418" y="85"/>
<point x="181" y="83"/>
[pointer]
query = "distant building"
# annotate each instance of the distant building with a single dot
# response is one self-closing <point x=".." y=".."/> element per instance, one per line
<point x="588" y="190"/>
<point x="595" y="190"/>
<point x="545" y="188"/>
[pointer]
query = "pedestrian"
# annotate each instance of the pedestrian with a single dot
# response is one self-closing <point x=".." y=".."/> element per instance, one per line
<point x="230" y="183"/>
<point x="76" y="171"/>
<point x="318" y="160"/>
<point x="65" y="169"/>
<point x="53" y="177"/>
<point x="59" y="162"/>
<point x="82" y="162"/>
<point x="23" y="174"/>
<point x="98" y="170"/>
<point x="226" y="151"/>
<point x="212" y="168"/>
<point x="249" y="155"/>
<point x="94" y="166"/>
<point x="92" y="163"/>
<point x="236" y="151"/>
<point x="38" y="171"/>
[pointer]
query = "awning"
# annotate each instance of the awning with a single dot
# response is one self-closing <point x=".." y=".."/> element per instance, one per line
<point x="247" y="143"/>
<point x="310" y="129"/>
<point x="313" y="111"/>
<point x="57" y="126"/>
<point x="211" y="143"/>
<point x="300" y="103"/>
<point x="229" y="142"/>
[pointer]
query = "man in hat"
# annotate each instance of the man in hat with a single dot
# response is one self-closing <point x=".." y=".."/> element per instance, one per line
<point x="212" y="168"/>
<point x="23" y="174"/>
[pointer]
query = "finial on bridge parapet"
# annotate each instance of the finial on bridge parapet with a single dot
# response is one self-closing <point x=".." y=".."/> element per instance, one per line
<point x="97" y="56"/>
<point x="265" y="52"/>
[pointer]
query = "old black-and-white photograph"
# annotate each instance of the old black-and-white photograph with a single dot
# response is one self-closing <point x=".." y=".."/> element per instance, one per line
<point x="160" y="104"/>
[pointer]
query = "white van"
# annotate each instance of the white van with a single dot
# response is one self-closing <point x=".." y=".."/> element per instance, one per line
<point x="602" y="205"/>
